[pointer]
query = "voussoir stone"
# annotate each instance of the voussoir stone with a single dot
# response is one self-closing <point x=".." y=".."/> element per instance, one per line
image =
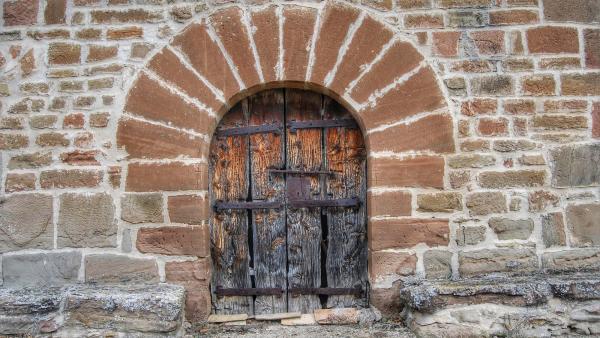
<point x="87" y="220"/>
<point x="142" y="208"/>
<point x="41" y="269"/>
<point x="490" y="261"/>
<point x="112" y="268"/>
<point x="584" y="222"/>
<point x="511" y="229"/>
<point x="20" y="228"/>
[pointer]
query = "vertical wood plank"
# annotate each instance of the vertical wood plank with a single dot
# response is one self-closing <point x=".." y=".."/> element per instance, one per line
<point x="229" y="228"/>
<point x="304" y="152"/>
<point x="267" y="151"/>
<point x="346" y="260"/>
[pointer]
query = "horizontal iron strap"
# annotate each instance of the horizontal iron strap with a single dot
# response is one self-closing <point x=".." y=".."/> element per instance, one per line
<point x="342" y="202"/>
<point x="301" y="172"/>
<point x="247" y="205"/>
<point x="325" y="291"/>
<point x="348" y="123"/>
<point x="248" y="291"/>
<point x="267" y="128"/>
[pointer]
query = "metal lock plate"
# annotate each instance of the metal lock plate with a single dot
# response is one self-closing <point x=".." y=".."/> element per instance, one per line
<point x="298" y="188"/>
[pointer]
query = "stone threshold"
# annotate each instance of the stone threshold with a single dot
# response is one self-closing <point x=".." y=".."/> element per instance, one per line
<point x="74" y="309"/>
<point x="427" y="296"/>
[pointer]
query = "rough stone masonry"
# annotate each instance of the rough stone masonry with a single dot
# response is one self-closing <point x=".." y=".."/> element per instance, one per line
<point x="482" y="119"/>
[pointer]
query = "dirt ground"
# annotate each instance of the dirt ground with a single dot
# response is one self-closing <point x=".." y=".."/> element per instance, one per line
<point x="271" y="330"/>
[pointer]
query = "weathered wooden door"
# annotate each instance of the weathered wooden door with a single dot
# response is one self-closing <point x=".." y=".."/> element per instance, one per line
<point x="288" y="185"/>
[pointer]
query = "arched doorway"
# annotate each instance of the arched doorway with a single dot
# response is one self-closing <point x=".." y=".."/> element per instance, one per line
<point x="288" y="190"/>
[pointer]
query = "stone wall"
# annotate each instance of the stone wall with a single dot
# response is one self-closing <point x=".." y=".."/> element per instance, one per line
<point x="104" y="138"/>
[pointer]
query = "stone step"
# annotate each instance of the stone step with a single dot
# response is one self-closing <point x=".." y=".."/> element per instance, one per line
<point x="75" y="309"/>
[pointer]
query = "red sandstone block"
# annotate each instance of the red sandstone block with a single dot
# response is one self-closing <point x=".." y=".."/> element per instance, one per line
<point x="195" y="277"/>
<point x="423" y="21"/>
<point x="587" y="84"/>
<point x="418" y="171"/>
<point x="150" y="141"/>
<point x="20" y="12"/>
<point x="538" y="85"/>
<point x="473" y="66"/>
<point x="393" y="264"/>
<point x="54" y="13"/>
<point x="592" y="48"/>
<point x="490" y="42"/>
<point x="101" y="53"/>
<point x="124" y="33"/>
<point x="60" y="53"/>
<point x="234" y="36"/>
<point x="125" y="16"/>
<point x="191" y="241"/>
<point x="464" y="3"/>
<point x="80" y="157"/>
<point x="418" y="94"/>
<point x="177" y="176"/>
<point x="206" y="57"/>
<point x="519" y="107"/>
<point x="389" y="203"/>
<point x="19" y="182"/>
<point x="71" y="178"/>
<point x="445" y="43"/>
<point x="432" y="133"/>
<point x="368" y="41"/>
<point x="74" y="121"/>
<point x="266" y="39"/>
<point x="479" y="106"/>
<point x="386" y="70"/>
<point x="553" y="40"/>
<point x="152" y="101"/>
<point x="298" y="28"/>
<point x="513" y="17"/>
<point x="406" y="233"/>
<point x="493" y="127"/>
<point x="168" y="66"/>
<point x="335" y="23"/>
<point x="188" y="209"/>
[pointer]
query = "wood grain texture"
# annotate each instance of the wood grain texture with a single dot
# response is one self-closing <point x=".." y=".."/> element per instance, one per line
<point x="269" y="237"/>
<point x="304" y="152"/>
<point x="229" y="232"/>
<point x="310" y="247"/>
<point x="346" y="257"/>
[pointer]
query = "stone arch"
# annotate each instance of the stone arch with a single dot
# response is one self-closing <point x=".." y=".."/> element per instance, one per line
<point x="176" y="101"/>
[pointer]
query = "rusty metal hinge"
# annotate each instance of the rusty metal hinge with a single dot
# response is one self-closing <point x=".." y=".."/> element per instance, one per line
<point x="219" y="206"/>
<point x="219" y="291"/>
<point x="326" y="291"/>
<point x="301" y="172"/>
